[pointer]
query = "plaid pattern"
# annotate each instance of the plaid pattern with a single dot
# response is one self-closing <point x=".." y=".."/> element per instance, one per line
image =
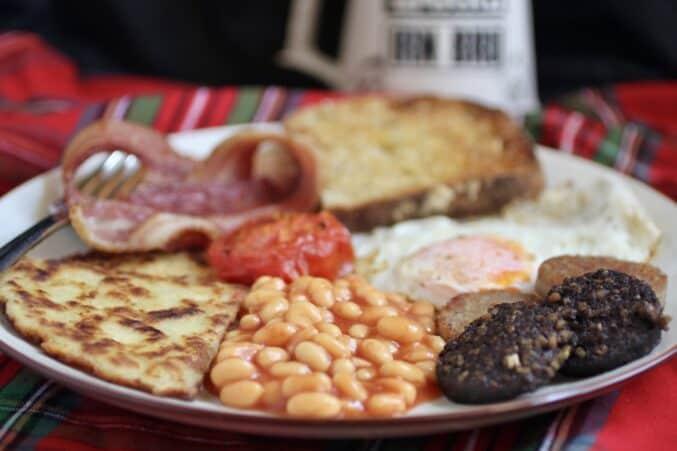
<point x="43" y="102"/>
<point x="610" y="126"/>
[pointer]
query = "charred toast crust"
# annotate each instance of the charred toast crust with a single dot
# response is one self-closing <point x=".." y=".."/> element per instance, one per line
<point x="471" y="198"/>
<point x="513" y="173"/>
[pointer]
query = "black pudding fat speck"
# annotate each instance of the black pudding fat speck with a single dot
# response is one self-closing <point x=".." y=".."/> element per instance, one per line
<point x="514" y="349"/>
<point x="615" y="318"/>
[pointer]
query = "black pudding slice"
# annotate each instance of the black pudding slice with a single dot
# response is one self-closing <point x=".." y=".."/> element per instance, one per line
<point x="516" y="348"/>
<point x="616" y="318"/>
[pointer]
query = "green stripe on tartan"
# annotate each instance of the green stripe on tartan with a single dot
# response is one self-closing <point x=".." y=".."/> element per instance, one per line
<point x="143" y="109"/>
<point x="15" y="393"/>
<point x="246" y="105"/>
<point x="55" y="405"/>
<point x="56" y="408"/>
<point x="608" y="149"/>
<point x="533" y="122"/>
<point x="39" y="424"/>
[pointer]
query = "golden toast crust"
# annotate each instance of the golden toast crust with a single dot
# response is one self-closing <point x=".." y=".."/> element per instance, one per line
<point x="384" y="159"/>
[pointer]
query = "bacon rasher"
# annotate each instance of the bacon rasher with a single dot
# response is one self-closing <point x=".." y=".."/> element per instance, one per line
<point x="182" y="202"/>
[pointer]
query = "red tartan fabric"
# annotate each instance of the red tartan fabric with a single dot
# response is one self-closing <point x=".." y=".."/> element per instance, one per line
<point x="631" y="127"/>
<point x="43" y="101"/>
<point x="644" y="415"/>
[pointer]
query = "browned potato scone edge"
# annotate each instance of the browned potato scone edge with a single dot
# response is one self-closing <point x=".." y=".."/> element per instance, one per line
<point x="463" y="309"/>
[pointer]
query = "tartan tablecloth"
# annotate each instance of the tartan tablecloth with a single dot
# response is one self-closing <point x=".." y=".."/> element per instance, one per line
<point x="43" y="101"/>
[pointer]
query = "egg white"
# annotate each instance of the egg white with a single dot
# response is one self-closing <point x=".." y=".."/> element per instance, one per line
<point x="602" y="218"/>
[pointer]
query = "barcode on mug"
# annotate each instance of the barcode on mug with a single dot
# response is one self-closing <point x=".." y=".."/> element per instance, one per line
<point x="414" y="46"/>
<point x="476" y="47"/>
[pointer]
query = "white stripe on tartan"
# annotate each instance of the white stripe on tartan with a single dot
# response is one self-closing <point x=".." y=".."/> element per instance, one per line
<point x="197" y="105"/>
<point x="27" y="405"/>
<point x="267" y="104"/>
<point x="570" y="130"/>
<point x="110" y="108"/>
<point x="552" y="430"/>
<point x="609" y="116"/>
<point x="121" y="108"/>
<point x="629" y="145"/>
<point x="276" y="104"/>
<point x="472" y="440"/>
<point x="563" y="432"/>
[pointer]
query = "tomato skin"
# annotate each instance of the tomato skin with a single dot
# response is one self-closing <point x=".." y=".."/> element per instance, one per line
<point x="287" y="246"/>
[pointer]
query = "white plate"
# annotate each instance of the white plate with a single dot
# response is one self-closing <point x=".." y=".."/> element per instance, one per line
<point x="27" y="204"/>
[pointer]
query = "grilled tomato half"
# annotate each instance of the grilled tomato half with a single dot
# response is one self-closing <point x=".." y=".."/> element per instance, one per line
<point x="288" y="246"/>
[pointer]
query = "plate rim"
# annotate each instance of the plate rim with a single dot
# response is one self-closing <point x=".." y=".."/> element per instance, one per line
<point x="109" y="392"/>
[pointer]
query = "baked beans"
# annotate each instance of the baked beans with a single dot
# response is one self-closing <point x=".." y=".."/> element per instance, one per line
<point x="365" y="374"/>
<point x="428" y="368"/>
<point x="241" y="394"/>
<point x="320" y="349"/>
<point x="271" y="355"/>
<point x="314" y="405"/>
<point x="400" y="329"/>
<point x="358" y="331"/>
<point x="274" y="334"/>
<point x="249" y="322"/>
<point x="272" y="393"/>
<point x="348" y="310"/>
<point x="350" y="386"/>
<point x="403" y="370"/>
<point x="375" y="351"/>
<point x="342" y="366"/>
<point x="331" y="329"/>
<point x="313" y="355"/>
<point x="386" y="404"/>
<point x="405" y="389"/>
<point x="316" y="382"/>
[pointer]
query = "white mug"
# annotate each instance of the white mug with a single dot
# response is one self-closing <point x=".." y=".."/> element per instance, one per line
<point x="476" y="49"/>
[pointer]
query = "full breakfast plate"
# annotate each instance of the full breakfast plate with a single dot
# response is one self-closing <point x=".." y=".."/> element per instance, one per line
<point x="28" y="203"/>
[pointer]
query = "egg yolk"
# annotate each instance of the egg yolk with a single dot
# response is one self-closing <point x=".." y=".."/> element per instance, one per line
<point x="444" y="269"/>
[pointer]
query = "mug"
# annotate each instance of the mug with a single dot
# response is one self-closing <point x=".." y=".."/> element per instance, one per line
<point x="480" y="50"/>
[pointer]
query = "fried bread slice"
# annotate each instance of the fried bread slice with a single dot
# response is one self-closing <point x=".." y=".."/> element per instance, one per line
<point x="382" y="160"/>
<point x="148" y="321"/>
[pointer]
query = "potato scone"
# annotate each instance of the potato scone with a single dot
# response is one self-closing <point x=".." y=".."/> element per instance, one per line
<point x="383" y="160"/>
<point x="148" y="321"/>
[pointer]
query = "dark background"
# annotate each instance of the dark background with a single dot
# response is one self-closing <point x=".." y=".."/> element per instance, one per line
<point x="578" y="42"/>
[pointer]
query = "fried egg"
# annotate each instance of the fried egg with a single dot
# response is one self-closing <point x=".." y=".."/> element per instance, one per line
<point x="436" y="258"/>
